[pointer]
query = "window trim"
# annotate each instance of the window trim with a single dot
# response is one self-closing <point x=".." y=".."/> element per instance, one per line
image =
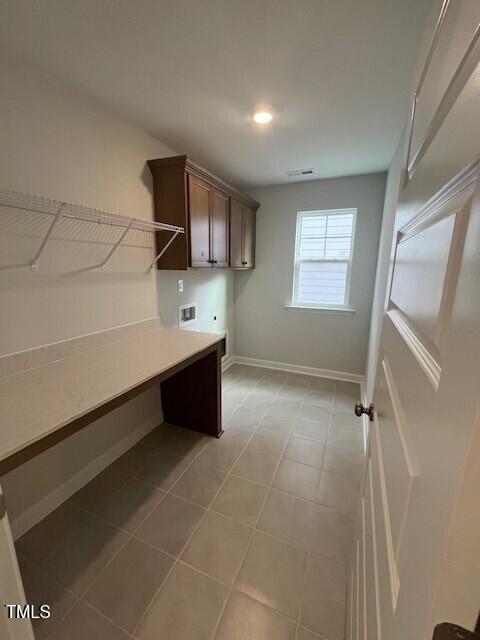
<point x="296" y="261"/>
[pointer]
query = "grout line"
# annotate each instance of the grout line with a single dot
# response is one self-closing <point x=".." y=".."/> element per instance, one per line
<point x="249" y="543"/>
<point x="147" y="609"/>
<point x="115" y="624"/>
<point x="177" y="559"/>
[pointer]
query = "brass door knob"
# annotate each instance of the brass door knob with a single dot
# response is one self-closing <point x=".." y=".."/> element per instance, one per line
<point x="359" y="409"/>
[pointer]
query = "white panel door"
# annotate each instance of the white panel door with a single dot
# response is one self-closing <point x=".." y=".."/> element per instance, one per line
<point x="427" y="391"/>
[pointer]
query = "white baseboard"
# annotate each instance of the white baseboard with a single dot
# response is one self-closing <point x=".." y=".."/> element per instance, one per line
<point x="55" y="498"/>
<point x="298" y="368"/>
<point x="227" y="363"/>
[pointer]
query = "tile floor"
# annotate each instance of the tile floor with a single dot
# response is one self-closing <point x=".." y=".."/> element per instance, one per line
<point x="188" y="538"/>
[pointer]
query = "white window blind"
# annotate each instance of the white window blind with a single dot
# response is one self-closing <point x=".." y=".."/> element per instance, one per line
<point x="323" y="257"/>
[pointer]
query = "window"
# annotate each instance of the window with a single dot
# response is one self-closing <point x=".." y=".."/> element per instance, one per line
<point x="323" y="258"/>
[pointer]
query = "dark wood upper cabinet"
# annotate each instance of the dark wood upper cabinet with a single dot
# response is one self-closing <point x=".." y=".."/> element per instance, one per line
<point x="236" y="234"/>
<point x="242" y="235"/>
<point x="187" y="195"/>
<point x="199" y="208"/>
<point x="219" y="218"/>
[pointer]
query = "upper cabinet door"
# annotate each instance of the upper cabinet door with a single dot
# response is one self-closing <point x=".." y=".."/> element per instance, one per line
<point x="236" y="234"/>
<point x="219" y="206"/>
<point x="248" y="259"/>
<point x="199" y="213"/>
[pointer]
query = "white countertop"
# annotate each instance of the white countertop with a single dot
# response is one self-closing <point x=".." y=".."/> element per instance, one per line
<point x="37" y="402"/>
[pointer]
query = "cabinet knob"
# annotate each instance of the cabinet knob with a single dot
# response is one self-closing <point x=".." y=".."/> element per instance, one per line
<point x="244" y="262"/>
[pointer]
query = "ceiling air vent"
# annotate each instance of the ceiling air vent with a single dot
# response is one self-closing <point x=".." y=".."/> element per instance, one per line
<point x="299" y="172"/>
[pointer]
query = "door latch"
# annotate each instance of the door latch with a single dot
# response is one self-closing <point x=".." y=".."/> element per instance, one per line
<point x="359" y="409"/>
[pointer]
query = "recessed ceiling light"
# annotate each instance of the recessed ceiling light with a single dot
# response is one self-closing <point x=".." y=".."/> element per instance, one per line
<point x="262" y="117"/>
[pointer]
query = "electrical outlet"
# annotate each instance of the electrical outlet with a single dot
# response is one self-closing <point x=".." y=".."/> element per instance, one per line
<point x="187" y="314"/>
<point x="180" y="286"/>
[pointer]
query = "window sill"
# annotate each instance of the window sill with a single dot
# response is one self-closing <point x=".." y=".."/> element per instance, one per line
<point x="343" y="311"/>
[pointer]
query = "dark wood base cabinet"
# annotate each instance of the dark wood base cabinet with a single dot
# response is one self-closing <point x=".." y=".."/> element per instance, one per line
<point x="219" y="220"/>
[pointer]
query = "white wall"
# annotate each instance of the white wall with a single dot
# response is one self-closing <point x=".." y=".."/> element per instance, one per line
<point x="264" y="328"/>
<point x="212" y="290"/>
<point x="58" y="143"/>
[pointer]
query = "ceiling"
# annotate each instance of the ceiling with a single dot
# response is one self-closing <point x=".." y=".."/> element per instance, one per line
<point x="336" y="74"/>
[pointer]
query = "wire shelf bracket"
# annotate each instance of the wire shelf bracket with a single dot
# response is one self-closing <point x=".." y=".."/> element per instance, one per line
<point x="159" y="255"/>
<point x="56" y="219"/>
<point x="63" y="210"/>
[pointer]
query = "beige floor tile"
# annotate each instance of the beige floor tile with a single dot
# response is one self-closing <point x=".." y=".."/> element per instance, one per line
<point x="346" y="417"/>
<point x="248" y="619"/>
<point x="264" y="389"/>
<point x="323" y="384"/>
<point x="49" y="534"/>
<point x="126" y="587"/>
<point x="238" y="426"/>
<point x="277" y="422"/>
<point x="268" y="441"/>
<point x="338" y="492"/>
<point x="186" y="608"/>
<point x="161" y="436"/>
<point x="291" y="392"/>
<point x="297" y="379"/>
<point x="285" y="407"/>
<point x="267" y="385"/>
<point x="305" y="634"/>
<point x="217" y="547"/>
<point x="299" y="479"/>
<point x="240" y="499"/>
<point x="83" y="623"/>
<point x="305" y="451"/>
<point x="255" y="404"/>
<point x="323" y="609"/>
<point x="133" y="459"/>
<point x="247" y="416"/>
<point x="222" y="453"/>
<point x="320" y="397"/>
<point x="272" y="573"/>
<point x="244" y="384"/>
<point x="316" y="412"/>
<point x="343" y="407"/>
<point x="98" y="490"/>
<point x="311" y="429"/>
<point x="234" y="395"/>
<point x="348" y="389"/>
<point x="258" y="401"/>
<point x="332" y="534"/>
<point x="344" y="461"/>
<point x="256" y="465"/>
<point x="349" y="441"/>
<point x="130" y="504"/>
<point x="170" y="524"/>
<point x="228" y="407"/>
<point x="41" y="589"/>
<point x="199" y="484"/>
<point x="163" y="470"/>
<point x="350" y="428"/>
<point x="187" y="444"/>
<point x="288" y="518"/>
<point x="274" y="374"/>
<point x="84" y="554"/>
